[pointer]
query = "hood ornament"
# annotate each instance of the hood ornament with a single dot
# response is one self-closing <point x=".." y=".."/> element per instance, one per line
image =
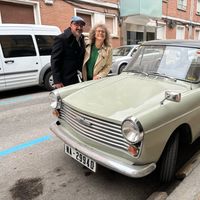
<point x="83" y="121"/>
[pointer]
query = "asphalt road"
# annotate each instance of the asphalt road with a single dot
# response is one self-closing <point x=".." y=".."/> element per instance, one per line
<point x="33" y="164"/>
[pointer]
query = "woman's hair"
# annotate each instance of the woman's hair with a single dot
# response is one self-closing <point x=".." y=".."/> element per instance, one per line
<point x="107" y="34"/>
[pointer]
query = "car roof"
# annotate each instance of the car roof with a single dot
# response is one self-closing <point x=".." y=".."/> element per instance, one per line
<point x="128" y="45"/>
<point x="173" y="42"/>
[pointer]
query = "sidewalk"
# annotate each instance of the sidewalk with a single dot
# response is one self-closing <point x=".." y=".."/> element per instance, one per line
<point x="189" y="188"/>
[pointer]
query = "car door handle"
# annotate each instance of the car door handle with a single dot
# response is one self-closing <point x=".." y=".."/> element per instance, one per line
<point x="9" y="61"/>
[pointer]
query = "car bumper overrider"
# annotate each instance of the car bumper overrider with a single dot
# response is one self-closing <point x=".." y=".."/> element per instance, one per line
<point x="102" y="158"/>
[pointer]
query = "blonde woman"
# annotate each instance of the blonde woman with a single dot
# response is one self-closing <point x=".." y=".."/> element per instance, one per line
<point x="98" y="56"/>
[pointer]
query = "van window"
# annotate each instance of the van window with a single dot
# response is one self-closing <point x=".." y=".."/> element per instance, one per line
<point x="45" y="43"/>
<point x="17" y="45"/>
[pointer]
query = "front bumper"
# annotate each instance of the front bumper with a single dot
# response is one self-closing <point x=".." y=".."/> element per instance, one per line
<point x="102" y="158"/>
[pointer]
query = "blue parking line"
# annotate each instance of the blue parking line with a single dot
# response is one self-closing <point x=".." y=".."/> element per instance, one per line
<point x="25" y="145"/>
<point x="15" y="100"/>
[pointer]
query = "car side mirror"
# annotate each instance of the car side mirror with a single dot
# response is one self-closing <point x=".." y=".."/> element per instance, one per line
<point x="171" y="96"/>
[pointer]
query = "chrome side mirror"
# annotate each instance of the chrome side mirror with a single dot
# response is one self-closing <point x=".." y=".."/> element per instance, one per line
<point x="171" y="96"/>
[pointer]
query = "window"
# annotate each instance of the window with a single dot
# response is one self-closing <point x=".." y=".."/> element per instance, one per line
<point x="161" y="32"/>
<point x="44" y="43"/>
<point x="182" y="4"/>
<point x="197" y="34"/>
<point x="180" y="32"/>
<point x="88" y="20"/>
<point x="92" y="18"/>
<point x="110" y="24"/>
<point x="198" y="7"/>
<point x="17" y="45"/>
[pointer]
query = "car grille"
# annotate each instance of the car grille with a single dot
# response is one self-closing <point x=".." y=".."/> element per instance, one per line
<point x="99" y="130"/>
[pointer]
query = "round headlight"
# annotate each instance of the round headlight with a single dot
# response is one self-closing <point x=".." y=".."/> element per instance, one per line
<point x="132" y="130"/>
<point x="55" y="100"/>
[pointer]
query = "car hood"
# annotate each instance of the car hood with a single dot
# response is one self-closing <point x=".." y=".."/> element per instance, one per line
<point x="121" y="96"/>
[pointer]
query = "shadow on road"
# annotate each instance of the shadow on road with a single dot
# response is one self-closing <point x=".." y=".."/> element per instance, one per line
<point x="22" y="91"/>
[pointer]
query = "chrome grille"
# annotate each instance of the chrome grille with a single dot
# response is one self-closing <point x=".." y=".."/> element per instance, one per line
<point x="93" y="128"/>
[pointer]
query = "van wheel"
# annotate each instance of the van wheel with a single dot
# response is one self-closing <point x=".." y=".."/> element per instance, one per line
<point x="169" y="159"/>
<point x="48" y="81"/>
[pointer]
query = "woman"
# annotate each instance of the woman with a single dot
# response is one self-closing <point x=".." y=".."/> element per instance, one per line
<point x="98" y="56"/>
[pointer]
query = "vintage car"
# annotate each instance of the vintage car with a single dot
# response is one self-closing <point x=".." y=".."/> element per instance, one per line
<point x="137" y="121"/>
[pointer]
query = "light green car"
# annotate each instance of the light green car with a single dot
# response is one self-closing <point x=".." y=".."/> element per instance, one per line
<point x="136" y="121"/>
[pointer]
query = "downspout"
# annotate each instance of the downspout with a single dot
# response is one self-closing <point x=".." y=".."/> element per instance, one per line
<point x="190" y="36"/>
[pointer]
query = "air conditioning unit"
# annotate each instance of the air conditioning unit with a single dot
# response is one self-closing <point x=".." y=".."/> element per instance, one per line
<point x="49" y="2"/>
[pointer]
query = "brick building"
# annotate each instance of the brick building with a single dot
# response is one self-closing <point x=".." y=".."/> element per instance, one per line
<point x="59" y="12"/>
<point x="180" y="18"/>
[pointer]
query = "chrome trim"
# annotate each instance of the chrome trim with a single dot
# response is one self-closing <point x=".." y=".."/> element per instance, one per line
<point x="99" y="130"/>
<point x="107" y="160"/>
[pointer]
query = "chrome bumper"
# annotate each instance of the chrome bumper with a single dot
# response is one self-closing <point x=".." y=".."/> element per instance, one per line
<point x="134" y="171"/>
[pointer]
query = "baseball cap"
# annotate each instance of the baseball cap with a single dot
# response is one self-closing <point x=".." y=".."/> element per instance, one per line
<point x="78" y="20"/>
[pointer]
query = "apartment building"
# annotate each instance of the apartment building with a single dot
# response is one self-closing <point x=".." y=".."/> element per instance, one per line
<point x="179" y="18"/>
<point x="59" y="12"/>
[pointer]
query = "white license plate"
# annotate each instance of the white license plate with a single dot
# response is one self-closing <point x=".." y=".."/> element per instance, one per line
<point x="83" y="159"/>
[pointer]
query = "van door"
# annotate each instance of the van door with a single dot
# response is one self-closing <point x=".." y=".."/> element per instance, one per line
<point x="2" y="80"/>
<point x="20" y="61"/>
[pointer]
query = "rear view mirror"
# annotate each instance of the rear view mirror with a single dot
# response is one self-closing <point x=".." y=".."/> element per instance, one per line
<point x="171" y="96"/>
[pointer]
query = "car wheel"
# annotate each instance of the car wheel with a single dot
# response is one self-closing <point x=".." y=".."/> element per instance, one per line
<point x="48" y="81"/>
<point x="169" y="159"/>
<point x="121" y="68"/>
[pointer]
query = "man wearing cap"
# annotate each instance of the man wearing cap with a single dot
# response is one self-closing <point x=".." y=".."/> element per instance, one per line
<point x="68" y="53"/>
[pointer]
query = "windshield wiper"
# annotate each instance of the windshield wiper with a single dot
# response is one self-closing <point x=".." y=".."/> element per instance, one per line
<point x="162" y="75"/>
<point x="139" y="72"/>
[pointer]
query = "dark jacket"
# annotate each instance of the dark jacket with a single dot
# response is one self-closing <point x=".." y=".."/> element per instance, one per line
<point x="67" y="57"/>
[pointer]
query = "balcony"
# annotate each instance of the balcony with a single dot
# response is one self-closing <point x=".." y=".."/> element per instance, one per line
<point x="140" y="11"/>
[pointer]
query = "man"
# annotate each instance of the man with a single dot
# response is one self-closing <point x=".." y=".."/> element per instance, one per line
<point x="68" y="53"/>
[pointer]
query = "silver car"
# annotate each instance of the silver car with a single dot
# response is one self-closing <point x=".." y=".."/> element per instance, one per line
<point x="121" y="57"/>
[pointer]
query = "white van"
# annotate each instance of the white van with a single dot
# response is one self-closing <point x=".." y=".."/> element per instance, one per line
<point x="25" y="55"/>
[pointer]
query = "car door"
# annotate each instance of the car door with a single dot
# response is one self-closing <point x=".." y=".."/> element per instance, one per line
<point x="21" y="63"/>
<point x="2" y="80"/>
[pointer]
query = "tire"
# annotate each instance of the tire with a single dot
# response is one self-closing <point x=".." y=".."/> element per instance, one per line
<point x="169" y="159"/>
<point x="48" y="81"/>
<point x="121" y="68"/>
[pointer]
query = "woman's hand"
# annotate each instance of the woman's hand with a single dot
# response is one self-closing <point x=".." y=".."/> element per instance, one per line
<point x="96" y="77"/>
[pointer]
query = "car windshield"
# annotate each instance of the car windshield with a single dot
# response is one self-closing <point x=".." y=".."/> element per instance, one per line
<point x="121" y="51"/>
<point x="181" y="63"/>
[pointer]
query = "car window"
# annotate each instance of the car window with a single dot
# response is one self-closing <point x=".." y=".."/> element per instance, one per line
<point x="17" y="45"/>
<point x="121" y="51"/>
<point x="44" y="43"/>
<point x="182" y="63"/>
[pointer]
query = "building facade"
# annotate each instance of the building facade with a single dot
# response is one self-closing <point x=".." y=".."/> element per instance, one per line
<point x="59" y="13"/>
<point x="180" y="18"/>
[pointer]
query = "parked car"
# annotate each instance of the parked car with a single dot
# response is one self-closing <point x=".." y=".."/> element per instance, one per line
<point x="25" y="55"/>
<point x="121" y="56"/>
<point x="139" y="120"/>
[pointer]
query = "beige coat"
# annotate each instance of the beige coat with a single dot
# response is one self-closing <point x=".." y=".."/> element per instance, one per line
<point x="103" y="62"/>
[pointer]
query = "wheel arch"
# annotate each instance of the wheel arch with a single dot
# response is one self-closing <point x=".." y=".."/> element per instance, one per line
<point x="185" y="135"/>
<point x="169" y="160"/>
<point x="120" y="65"/>
<point x="43" y="72"/>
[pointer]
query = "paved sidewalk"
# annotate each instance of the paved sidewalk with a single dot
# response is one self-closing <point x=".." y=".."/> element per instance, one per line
<point x="189" y="188"/>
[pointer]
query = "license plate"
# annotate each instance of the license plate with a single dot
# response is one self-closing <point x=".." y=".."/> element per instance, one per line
<point x="83" y="159"/>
